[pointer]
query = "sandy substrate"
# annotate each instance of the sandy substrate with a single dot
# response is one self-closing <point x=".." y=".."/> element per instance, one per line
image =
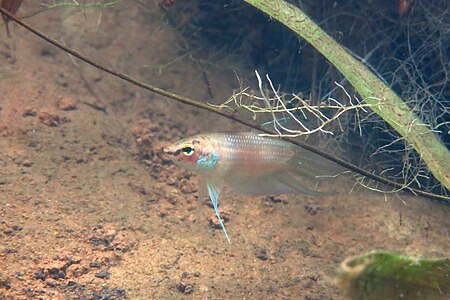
<point x="90" y="209"/>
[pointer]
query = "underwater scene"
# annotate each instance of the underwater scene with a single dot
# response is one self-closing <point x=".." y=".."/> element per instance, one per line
<point x="225" y="149"/>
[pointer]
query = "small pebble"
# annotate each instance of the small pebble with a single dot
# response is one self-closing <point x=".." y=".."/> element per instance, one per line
<point x="185" y="288"/>
<point x="67" y="104"/>
<point x="27" y="163"/>
<point x="103" y="274"/>
<point x="29" y="113"/>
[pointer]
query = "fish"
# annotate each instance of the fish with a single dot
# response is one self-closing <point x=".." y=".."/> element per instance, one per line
<point x="249" y="164"/>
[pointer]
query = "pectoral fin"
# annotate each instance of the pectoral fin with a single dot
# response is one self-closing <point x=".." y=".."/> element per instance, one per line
<point x="214" y="191"/>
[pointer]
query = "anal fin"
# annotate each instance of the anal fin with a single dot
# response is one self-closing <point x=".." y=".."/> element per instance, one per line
<point x="274" y="184"/>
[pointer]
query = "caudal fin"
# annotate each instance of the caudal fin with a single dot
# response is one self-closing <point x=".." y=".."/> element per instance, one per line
<point x="314" y="167"/>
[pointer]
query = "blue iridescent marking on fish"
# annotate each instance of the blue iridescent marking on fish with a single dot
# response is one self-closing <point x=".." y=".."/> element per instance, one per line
<point x="208" y="162"/>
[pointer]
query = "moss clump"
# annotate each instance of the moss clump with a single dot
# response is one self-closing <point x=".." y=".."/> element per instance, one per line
<point x="383" y="275"/>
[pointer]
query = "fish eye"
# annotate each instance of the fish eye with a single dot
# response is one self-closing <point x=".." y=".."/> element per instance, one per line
<point x="187" y="150"/>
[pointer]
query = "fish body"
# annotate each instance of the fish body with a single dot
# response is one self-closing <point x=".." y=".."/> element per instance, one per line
<point x="248" y="163"/>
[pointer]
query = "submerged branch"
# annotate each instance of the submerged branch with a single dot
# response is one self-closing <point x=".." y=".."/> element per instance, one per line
<point x="290" y="115"/>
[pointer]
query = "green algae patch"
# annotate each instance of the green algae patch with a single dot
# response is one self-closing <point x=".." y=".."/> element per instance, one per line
<point x="383" y="275"/>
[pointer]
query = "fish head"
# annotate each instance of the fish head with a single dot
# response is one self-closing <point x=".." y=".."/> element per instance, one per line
<point x="193" y="154"/>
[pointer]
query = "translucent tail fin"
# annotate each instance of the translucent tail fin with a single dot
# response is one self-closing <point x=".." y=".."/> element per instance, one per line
<point x="312" y="166"/>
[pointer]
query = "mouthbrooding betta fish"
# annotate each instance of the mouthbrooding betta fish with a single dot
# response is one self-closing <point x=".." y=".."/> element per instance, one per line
<point x="248" y="163"/>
